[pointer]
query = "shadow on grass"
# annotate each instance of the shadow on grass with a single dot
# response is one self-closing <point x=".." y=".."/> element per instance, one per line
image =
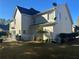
<point x="37" y="51"/>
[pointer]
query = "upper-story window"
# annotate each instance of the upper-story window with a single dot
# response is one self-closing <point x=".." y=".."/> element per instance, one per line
<point x="48" y="16"/>
<point x="60" y="16"/>
<point x="51" y="15"/>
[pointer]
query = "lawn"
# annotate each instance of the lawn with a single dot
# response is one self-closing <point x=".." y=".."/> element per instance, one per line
<point x="23" y="50"/>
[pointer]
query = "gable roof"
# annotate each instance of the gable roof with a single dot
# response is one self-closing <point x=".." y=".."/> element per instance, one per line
<point x="30" y="11"/>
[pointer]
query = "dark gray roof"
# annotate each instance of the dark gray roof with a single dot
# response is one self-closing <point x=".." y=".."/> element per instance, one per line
<point x="30" y="11"/>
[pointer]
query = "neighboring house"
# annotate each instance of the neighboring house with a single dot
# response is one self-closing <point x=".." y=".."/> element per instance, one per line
<point x="73" y="28"/>
<point x="53" y="21"/>
<point x="4" y="28"/>
<point x="4" y="25"/>
<point x="12" y="28"/>
<point x="76" y="27"/>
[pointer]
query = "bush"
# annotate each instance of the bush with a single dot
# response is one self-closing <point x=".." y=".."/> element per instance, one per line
<point x="3" y="34"/>
<point x="67" y="37"/>
<point x="1" y="40"/>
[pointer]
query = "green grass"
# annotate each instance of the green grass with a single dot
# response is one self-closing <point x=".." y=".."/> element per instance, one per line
<point x="25" y="50"/>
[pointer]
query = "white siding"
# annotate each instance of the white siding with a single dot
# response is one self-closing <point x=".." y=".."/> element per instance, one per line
<point x="17" y="21"/>
<point x="11" y="25"/>
<point x="64" y="24"/>
<point x="26" y="23"/>
<point x="46" y="17"/>
<point x="49" y="34"/>
<point x="12" y="28"/>
<point x="12" y="32"/>
<point x="51" y="16"/>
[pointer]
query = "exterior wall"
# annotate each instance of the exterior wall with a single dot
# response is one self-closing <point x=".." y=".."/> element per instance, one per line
<point x="46" y="17"/>
<point x="49" y="34"/>
<point x="64" y="24"/>
<point x="18" y="23"/>
<point x="40" y="19"/>
<point x="26" y="23"/>
<point x="11" y="28"/>
<point x="12" y="31"/>
<point x="63" y="21"/>
<point x="22" y="24"/>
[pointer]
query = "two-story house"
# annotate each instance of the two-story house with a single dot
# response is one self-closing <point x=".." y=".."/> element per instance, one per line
<point x="54" y="21"/>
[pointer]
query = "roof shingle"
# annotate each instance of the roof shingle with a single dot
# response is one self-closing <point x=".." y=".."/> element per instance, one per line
<point x="30" y="11"/>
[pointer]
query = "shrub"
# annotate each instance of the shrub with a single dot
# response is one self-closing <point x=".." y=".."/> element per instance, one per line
<point x="1" y="40"/>
<point x="3" y="34"/>
<point x="67" y="37"/>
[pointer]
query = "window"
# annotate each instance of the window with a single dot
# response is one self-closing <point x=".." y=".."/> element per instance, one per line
<point x="59" y="15"/>
<point x="51" y="16"/>
<point x="48" y="16"/>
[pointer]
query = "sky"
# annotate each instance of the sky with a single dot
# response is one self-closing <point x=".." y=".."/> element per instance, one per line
<point x="7" y="7"/>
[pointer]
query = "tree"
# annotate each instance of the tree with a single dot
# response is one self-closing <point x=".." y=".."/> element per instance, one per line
<point x="4" y="21"/>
